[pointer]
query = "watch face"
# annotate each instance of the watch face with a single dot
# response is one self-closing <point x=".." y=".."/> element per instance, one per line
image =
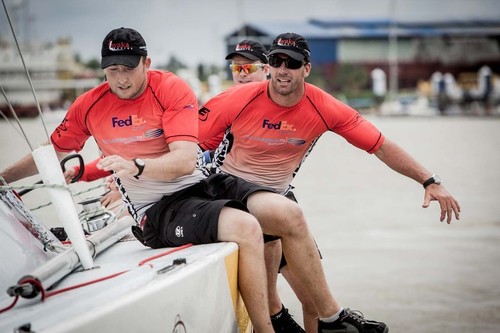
<point x="437" y="179"/>
<point x="140" y="162"/>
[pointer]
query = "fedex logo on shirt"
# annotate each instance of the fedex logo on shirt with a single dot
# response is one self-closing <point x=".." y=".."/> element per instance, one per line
<point x="130" y="121"/>
<point x="282" y="125"/>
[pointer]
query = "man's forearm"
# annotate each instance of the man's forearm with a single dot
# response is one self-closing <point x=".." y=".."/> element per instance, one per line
<point x="21" y="169"/>
<point x="401" y="161"/>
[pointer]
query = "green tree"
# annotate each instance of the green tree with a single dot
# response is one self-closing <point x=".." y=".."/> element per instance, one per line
<point x="174" y="64"/>
<point x="349" y="79"/>
<point x="202" y="73"/>
<point x="317" y="78"/>
<point x="93" y="63"/>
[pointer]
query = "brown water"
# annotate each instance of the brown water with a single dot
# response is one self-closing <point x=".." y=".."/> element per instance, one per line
<point x="383" y="253"/>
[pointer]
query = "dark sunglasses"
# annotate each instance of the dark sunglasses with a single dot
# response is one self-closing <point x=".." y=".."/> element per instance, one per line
<point x="275" y="61"/>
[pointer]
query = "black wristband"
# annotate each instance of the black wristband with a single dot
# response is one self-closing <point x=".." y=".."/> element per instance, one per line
<point x="140" y="166"/>
<point x="435" y="179"/>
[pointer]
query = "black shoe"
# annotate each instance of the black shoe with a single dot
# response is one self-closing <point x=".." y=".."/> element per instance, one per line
<point x="284" y="323"/>
<point x="352" y="321"/>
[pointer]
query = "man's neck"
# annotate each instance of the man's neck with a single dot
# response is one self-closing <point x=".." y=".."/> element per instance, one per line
<point x="286" y="100"/>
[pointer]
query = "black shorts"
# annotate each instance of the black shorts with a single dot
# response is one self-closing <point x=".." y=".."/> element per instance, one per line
<point x="192" y="215"/>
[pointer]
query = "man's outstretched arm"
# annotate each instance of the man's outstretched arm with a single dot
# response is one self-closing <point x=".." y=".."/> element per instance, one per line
<point x="400" y="161"/>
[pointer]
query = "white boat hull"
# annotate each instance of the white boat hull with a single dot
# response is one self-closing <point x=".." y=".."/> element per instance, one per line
<point x="200" y="295"/>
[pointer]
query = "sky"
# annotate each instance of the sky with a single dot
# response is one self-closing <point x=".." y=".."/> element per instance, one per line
<point x="194" y="30"/>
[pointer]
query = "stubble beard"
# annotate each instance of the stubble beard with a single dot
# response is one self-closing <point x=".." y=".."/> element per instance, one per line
<point x="284" y="90"/>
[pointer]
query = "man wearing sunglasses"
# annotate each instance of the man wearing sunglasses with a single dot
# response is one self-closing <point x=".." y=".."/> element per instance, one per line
<point x="270" y="128"/>
<point x="145" y="123"/>
<point x="249" y="63"/>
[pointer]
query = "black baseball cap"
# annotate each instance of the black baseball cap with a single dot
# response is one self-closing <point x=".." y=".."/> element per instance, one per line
<point x="250" y="49"/>
<point x="291" y="44"/>
<point x="123" y="46"/>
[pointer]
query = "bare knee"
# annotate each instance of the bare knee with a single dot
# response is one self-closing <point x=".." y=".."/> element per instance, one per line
<point x="250" y="231"/>
<point x="277" y="214"/>
<point x="294" y="220"/>
<point x="239" y="227"/>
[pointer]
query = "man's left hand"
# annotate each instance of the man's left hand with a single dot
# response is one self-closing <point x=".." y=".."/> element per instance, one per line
<point x="446" y="201"/>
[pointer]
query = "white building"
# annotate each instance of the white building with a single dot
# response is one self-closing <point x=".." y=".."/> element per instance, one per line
<point x="56" y="77"/>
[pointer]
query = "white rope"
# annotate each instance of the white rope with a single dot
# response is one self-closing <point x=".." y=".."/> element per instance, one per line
<point x="58" y="186"/>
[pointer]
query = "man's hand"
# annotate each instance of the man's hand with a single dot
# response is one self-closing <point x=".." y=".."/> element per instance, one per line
<point x="446" y="202"/>
<point x="112" y="195"/>
<point x="69" y="174"/>
<point x="121" y="167"/>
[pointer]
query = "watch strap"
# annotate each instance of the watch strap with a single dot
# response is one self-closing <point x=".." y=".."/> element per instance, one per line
<point x="140" y="168"/>
<point x="429" y="181"/>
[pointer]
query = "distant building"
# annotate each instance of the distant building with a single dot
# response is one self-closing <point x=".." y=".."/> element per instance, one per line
<point x="56" y="76"/>
<point x="455" y="47"/>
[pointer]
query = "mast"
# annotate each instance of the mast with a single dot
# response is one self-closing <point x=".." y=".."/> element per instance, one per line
<point x="393" y="53"/>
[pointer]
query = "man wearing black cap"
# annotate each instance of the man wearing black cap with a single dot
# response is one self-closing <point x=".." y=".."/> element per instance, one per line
<point x="248" y="62"/>
<point x="270" y="128"/>
<point x="145" y="123"/>
<point x="123" y="47"/>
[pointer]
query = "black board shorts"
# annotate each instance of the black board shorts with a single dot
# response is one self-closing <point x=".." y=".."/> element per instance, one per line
<point x="192" y="215"/>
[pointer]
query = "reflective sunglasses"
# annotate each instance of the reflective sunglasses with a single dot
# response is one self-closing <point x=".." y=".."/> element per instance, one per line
<point x="248" y="68"/>
<point x="275" y="61"/>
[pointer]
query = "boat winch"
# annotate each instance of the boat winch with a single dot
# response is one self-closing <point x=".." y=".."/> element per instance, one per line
<point x="94" y="216"/>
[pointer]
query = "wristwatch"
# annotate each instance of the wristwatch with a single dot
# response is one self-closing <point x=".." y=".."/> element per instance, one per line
<point x="140" y="166"/>
<point x="435" y="179"/>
